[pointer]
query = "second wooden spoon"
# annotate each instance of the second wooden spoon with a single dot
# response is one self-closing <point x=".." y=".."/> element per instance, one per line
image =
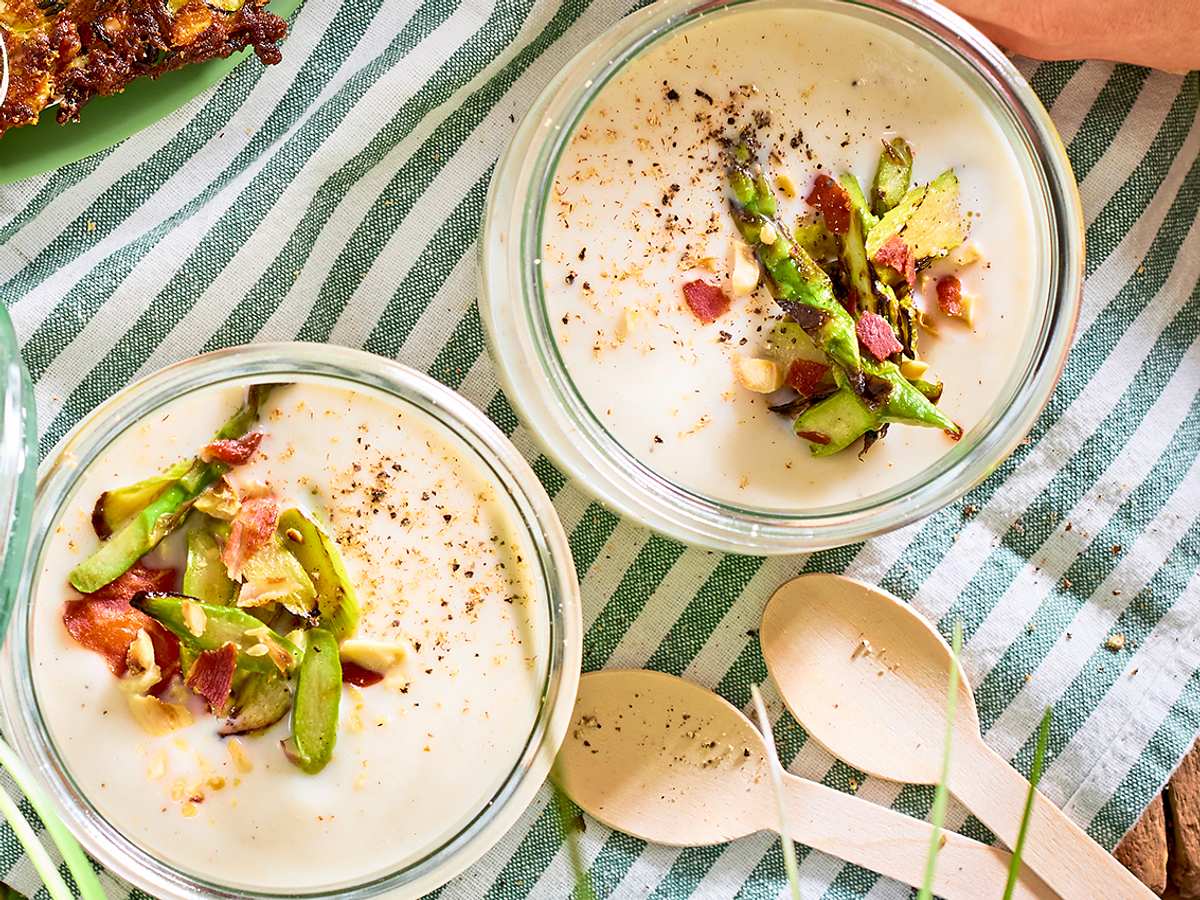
<point x="866" y="676"/>
<point x="672" y="763"/>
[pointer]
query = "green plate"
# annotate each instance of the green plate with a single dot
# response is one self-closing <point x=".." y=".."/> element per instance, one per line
<point x="35" y="149"/>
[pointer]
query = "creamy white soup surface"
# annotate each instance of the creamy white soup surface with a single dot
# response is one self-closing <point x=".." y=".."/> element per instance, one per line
<point x="440" y="562"/>
<point x="639" y="207"/>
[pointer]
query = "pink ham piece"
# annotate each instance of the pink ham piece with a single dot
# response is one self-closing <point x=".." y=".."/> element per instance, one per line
<point x="806" y="376"/>
<point x="211" y="676"/>
<point x="896" y="254"/>
<point x="834" y="203"/>
<point x="232" y="451"/>
<point x="251" y="529"/>
<point x="707" y="301"/>
<point x="876" y="336"/>
<point x="949" y="294"/>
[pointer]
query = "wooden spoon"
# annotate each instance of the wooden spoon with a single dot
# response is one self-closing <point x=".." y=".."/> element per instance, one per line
<point x="866" y="675"/>
<point x="672" y="763"/>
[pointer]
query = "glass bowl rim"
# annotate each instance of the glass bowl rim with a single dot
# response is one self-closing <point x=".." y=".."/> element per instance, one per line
<point x="21" y="715"/>
<point x="541" y="389"/>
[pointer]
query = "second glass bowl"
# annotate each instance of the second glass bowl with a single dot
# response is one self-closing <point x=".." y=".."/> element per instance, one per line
<point x="550" y="403"/>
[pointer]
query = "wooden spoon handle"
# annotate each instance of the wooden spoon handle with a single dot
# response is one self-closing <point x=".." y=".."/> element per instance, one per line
<point x="897" y="845"/>
<point x="1055" y="847"/>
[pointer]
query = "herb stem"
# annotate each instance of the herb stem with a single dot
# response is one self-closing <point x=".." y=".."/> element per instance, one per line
<point x="941" y="795"/>
<point x="1035" y="775"/>
<point x="790" y="866"/>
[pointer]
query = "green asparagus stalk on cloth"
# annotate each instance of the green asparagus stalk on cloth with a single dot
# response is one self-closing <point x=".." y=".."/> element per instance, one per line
<point x="162" y="515"/>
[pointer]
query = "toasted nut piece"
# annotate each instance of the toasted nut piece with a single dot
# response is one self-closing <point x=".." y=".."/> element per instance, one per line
<point x="965" y="254"/>
<point x="258" y="650"/>
<point x="767" y="233"/>
<point x="294" y="535"/>
<point x="786" y="186"/>
<point x="763" y="376"/>
<point x="743" y="268"/>
<point x="377" y="656"/>
<point x="156" y="717"/>
<point x="968" y="308"/>
<point x="913" y="368"/>
<point x="630" y="316"/>
<point x="237" y="753"/>
<point x="193" y="617"/>
<point x="141" y="669"/>
<point x="711" y="263"/>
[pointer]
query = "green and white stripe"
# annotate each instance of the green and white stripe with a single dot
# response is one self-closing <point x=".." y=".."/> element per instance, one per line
<point x="337" y="197"/>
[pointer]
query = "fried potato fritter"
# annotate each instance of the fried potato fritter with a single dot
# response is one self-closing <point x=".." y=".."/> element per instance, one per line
<point x="81" y="49"/>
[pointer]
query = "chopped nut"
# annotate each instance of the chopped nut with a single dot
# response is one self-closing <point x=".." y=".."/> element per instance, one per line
<point x="1115" y="643"/>
<point x="743" y="269"/>
<point x="630" y="316"/>
<point x="786" y="186"/>
<point x="156" y="717"/>
<point x="258" y="650"/>
<point x="913" y="368"/>
<point x="767" y="234"/>
<point x="294" y="535"/>
<point x="374" y="655"/>
<point x="194" y="618"/>
<point x="964" y="255"/>
<point x="237" y="753"/>
<point x="141" y="669"/>
<point x="763" y="376"/>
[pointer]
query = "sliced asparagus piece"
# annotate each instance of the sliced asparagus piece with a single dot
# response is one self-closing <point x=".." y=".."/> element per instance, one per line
<point x="318" y="554"/>
<point x="853" y="249"/>
<point x="143" y="532"/>
<point x="315" y="707"/>
<point x="205" y="576"/>
<point x="204" y="626"/>
<point x="836" y="422"/>
<point x="116" y="507"/>
<point x="893" y="175"/>
<point x="260" y="699"/>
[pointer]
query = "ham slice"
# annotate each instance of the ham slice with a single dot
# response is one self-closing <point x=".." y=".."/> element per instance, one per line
<point x="251" y="529"/>
<point x="707" y="301"/>
<point x="211" y="676"/>
<point x="877" y="336"/>
<point x="834" y="203"/>
<point x="232" y="451"/>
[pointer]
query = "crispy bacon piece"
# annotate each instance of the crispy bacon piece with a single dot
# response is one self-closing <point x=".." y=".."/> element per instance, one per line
<point x="359" y="676"/>
<point x="252" y="527"/>
<point x="211" y="676"/>
<point x="104" y="622"/>
<point x="707" y="301"/>
<point x="806" y="376"/>
<point x="896" y="254"/>
<point x="949" y="294"/>
<point x="234" y="451"/>
<point x="876" y="335"/>
<point x="834" y="203"/>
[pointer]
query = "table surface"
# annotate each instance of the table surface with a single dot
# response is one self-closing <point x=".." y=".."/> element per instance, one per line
<point x="337" y="197"/>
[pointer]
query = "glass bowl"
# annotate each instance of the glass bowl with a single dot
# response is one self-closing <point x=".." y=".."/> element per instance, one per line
<point x="505" y="468"/>
<point x="550" y="403"/>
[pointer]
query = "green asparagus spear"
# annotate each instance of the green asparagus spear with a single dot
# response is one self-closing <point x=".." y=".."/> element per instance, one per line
<point x="217" y="626"/>
<point x="315" y="708"/>
<point x="205" y="576"/>
<point x="798" y="284"/>
<point x="161" y="516"/>
<point x="893" y="175"/>
<point x="319" y="556"/>
<point x="857" y="200"/>
<point x="853" y="248"/>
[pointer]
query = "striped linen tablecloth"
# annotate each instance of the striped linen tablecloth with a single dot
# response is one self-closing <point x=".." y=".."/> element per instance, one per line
<point x="337" y="198"/>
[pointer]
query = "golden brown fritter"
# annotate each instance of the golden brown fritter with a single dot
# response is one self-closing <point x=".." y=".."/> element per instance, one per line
<point x="95" y="48"/>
